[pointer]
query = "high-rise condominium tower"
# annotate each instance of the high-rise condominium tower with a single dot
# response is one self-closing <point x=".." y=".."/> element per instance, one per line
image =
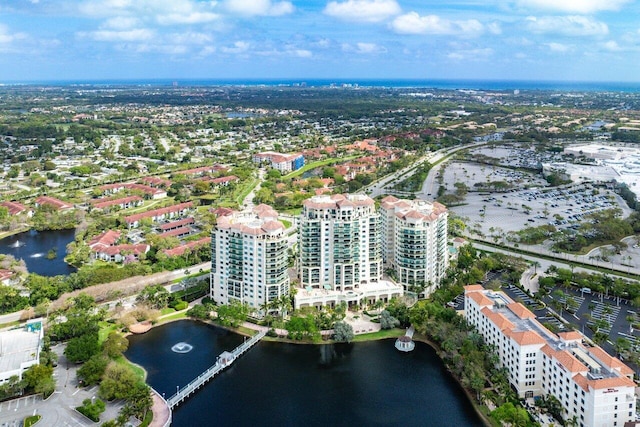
<point x="339" y="239"/>
<point x="249" y="258"/>
<point x="414" y="242"/>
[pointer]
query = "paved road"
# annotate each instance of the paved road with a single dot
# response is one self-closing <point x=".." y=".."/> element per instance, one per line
<point x="378" y="187"/>
<point x="247" y="203"/>
<point x="153" y="279"/>
<point x="560" y="260"/>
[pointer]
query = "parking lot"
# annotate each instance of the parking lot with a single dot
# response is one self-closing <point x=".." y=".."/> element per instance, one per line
<point x="500" y="213"/>
<point x="59" y="408"/>
<point x="609" y="315"/>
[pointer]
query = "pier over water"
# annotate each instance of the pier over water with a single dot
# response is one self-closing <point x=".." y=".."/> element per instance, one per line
<point x="224" y="360"/>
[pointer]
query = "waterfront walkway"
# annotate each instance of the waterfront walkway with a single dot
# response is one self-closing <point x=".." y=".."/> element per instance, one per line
<point x="161" y="411"/>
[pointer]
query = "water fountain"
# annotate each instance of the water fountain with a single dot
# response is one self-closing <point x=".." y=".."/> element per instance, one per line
<point x="182" y="347"/>
<point x="16" y="244"/>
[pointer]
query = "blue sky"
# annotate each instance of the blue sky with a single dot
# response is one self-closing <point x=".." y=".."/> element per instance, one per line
<point x="574" y="40"/>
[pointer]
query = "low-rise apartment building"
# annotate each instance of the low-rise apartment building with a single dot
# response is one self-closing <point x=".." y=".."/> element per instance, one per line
<point x="592" y="386"/>
<point x="279" y="161"/>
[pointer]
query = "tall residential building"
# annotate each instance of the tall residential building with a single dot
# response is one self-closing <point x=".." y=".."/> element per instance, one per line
<point x="339" y="242"/>
<point x="340" y="253"/>
<point x="249" y="258"/>
<point x="592" y="386"/>
<point x="414" y="242"/>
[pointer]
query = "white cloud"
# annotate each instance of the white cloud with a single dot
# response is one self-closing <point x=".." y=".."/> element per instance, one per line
<point x="121" y="23"/>
<point x="7" y="37"/>
<point x="166" y="12"/>
<point x="189" y="37"/>
<point x="559" y="47"/>
<point x="574" y="6"/>
<point x="413" y="23"/>
<point x="207" y="50"/>
<point x="238" y="47"/>
<point x="363" y="48"/>
<point x="611" y="46"/>
<point x="167" y="49"/>
<point x="301" y="53"/>
<point x="363" y="10"/>
<point x="190" y="18"/>
<point x="259" y="7"/>
<point x="567" y="25"/>
<point x="322" y="43"/>
<point x="494" y="28"/>
<point x="471" y="54"/>
<point x="134" y="35"/>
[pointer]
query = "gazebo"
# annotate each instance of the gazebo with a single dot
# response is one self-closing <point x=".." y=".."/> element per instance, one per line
<point x="226" y="358"/>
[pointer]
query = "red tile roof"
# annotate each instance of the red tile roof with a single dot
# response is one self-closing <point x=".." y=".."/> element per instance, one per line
<point x="108" y="238"/>
<point x="158" y="212"/>
<point x="224" y="179"/>
<point x="51" y="201"/>
<point x="156" y="181"/>
<point x="176" y="224"/>
<point x="138" y="249"/>
<point x="179" y="250"/>
<point x="101" y="203"/>
<point x="14" y="208"/>
<point x="177" y="232"/>
<point x="5" y="274"/>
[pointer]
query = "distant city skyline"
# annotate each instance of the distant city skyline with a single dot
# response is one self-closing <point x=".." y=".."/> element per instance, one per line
<point x="570" y="40"/>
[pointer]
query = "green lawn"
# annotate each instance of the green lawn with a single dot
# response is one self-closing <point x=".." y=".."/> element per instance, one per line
<point x="318" y="164"/>
<point x="31" y="420"/>
<point x="385" y="333"/>
<point x="12" y="232"/>
<point x="105" y="329"/>
<point x="245" y="190"/>
<point x="286" y="223"/>
<point x="179" y="315"/>
<point x="9" y="324"/>
<point x="139" y="371"/>
<point x="167" y="310"/>
<point x="294" y="211"/>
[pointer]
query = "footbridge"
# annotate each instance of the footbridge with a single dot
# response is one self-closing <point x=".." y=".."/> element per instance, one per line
<point x="224" y="360"/>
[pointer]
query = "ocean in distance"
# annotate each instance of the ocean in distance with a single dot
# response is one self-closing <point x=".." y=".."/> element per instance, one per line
<point x="277" y="384"/>
<point x="564" y="86"/>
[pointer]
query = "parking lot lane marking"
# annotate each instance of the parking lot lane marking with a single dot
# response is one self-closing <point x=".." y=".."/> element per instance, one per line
<point x="75" y="392"/>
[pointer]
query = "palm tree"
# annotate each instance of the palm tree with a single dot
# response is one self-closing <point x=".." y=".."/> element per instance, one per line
<point x="264" y="308"/>
<point x="535" y="265"/>
<point x="572" y="422"/>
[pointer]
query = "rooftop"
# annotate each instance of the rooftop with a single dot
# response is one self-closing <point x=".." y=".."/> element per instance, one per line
<point x="19" y="346"/>
<point x="518" y="323"/>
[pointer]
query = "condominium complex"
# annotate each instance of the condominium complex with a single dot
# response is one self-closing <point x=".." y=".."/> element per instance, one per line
<point x="340" y="253"/>
<point x="279" y="161"/>
<point x="595" y="388"/>
<point x="414" y="242"/>
<point x="339" y="242"/>
<point x="249" y="258"/>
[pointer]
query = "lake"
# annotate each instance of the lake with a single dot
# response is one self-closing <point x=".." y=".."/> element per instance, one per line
<point x="277" y="384"/>
<point x="33" y="246"/>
